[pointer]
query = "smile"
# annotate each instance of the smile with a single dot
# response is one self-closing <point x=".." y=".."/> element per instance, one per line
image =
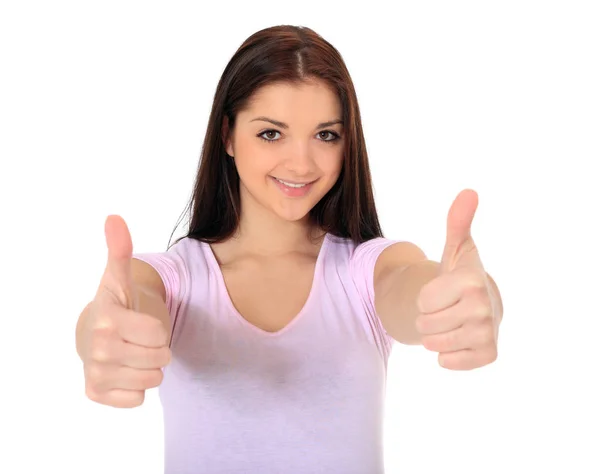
<point x="291" y="184"/>
<point x="292" y="189"/>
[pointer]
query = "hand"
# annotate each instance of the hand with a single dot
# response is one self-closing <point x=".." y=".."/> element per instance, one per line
<point x="125" y="349"/>
<point x="457" y="316"/>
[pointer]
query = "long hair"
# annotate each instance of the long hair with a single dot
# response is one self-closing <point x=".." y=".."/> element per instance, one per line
<point x="282" y="54"/>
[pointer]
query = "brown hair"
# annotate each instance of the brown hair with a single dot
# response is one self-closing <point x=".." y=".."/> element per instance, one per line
<point x="282" y="54"/>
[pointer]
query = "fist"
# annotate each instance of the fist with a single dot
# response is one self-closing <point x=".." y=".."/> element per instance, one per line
<point x="125" y="349"/>
<point x="459" y="310"/>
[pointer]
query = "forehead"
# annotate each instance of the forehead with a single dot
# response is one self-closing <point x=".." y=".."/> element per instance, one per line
<point x="314" y="98"/>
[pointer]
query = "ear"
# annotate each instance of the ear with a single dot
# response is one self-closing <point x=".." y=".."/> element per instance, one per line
<point x="227" y="142"/>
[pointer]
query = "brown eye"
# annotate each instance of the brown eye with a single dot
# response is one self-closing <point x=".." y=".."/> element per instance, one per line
<point x="335" y="136"/>
<point x="268" y="139"/>
<point x="271" y="139"/>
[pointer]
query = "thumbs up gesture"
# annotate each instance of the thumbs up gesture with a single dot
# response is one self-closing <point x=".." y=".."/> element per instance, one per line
<point x="458" y="310"/>
<point x="125" y="349"/>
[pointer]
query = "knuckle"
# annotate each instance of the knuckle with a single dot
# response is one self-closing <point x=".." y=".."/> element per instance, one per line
<point x="100" y="331"/>
<point x="103" y="318"/>
<point x="469" y="247"/>
<point x="99" y="344"/>
<point x="430" y="342"/>
<point x="479" y="310"/>
<point x="94" y="373"/>
<point x="99" y="353"/>
<point x="475" y="287"/>
<point x="483" y="339"/>
<point x="137" y="398"/>
<point x="99" y="377"/>
<point x="483" y="311"/>
<point x="151" y="378"/>
<point x="95" y="386"/>
<point x="446" y="361"/>
<point x="93" y="394"/>
<point x="421" y="323"/>
<point x="156" y="378"/>
<point x="487" y="354"/>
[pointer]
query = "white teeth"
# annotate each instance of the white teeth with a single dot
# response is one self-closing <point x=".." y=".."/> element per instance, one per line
<point x="291" y="185"/>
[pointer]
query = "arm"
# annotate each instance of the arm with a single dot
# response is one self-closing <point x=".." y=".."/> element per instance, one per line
<point x="396" y="294"/>
<point x="400" y="273"/>
<point x="397" y="282"/>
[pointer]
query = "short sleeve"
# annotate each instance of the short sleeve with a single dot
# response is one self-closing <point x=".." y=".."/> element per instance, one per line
<point x="362" y="269"/>
<point x="172" y="268"/>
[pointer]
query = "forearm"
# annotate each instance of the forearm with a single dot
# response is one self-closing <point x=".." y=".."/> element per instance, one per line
<point x="396" y="299"/>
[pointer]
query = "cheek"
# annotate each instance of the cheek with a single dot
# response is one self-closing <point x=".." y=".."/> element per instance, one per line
<point x="254" y="163"/>
<point x="332" y="169"/>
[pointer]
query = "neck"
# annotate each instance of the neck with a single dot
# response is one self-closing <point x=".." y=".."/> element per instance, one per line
<point x="263" y="233"/>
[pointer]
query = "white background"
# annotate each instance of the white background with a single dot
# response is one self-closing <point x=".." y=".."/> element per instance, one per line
<point x="103" y="109"/>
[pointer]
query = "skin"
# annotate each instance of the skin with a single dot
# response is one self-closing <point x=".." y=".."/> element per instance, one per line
<point x="273" y="225"/>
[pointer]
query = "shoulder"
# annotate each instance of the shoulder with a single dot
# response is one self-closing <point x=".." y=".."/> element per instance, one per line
<point x="177" y="263"/>
<point x="389" y="249"/>
<point x="189" y="251"/>
<point x="379" y="254"/>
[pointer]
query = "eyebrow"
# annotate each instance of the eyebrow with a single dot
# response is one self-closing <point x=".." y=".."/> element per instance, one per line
<point x="285" y="125"/>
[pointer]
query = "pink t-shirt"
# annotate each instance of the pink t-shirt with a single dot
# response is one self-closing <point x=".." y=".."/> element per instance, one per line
<point x="306" y="399"/>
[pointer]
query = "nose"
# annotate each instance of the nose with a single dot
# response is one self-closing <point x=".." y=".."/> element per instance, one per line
<point x="299" y="161"/>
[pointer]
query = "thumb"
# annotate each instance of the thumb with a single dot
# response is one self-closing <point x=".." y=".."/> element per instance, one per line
<point x="118" y="278"/>
<point x="460" y="249"/>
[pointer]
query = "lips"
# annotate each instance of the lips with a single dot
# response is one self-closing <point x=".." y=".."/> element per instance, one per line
<point x="294" y="182"/>
<point x="293" y="192"/>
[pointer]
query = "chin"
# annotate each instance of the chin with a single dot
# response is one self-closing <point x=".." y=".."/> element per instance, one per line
<point x="292" y="209"/>
<point x="292" y="216"/>
<point x="286" y="209"/>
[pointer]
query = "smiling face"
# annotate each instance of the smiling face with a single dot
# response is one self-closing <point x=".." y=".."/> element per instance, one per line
<point x="302" y="149"/>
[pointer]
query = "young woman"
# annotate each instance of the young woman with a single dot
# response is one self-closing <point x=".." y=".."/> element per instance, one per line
<point x="277" y="311"/>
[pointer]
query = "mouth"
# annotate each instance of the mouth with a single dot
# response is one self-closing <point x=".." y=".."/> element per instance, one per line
<point x="293" y="184"/>
<point x="293" y="188"/>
